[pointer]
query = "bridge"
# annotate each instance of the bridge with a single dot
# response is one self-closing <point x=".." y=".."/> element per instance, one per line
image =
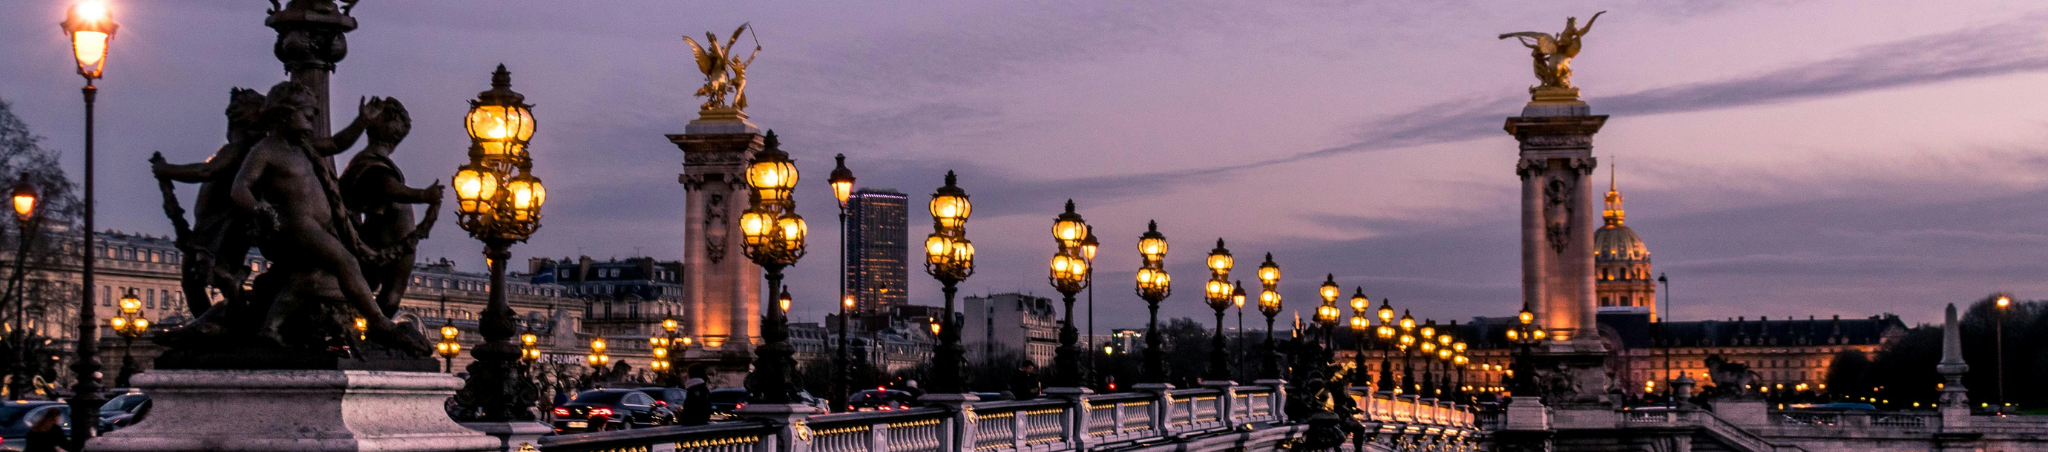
<point x="1220" y="418"/>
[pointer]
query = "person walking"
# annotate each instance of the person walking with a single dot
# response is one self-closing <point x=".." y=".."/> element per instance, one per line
<point x="696" y="397"/>
<point x="45" y="435"/>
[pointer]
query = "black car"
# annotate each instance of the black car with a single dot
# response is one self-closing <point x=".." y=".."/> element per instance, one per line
<point x="725" y="401"/>
<point x="17" y="417"/>
<point x="121" y="411"/>
<point x="670" y="398"/>
<point x="881" y="400"/>
<point x="610" y="409"/>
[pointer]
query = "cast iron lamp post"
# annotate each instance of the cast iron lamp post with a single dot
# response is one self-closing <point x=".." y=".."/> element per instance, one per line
<point x="774" y="240"/>
<point x="1237" y="298"/>
<point x="1219" y="296"/>
<point x="665" y="346"/>
<point x="1386" y="335"/>
<point x="448" y="348"/>
<point x="90" y="26"/>
<point x="1327" y="315"/>
<point x="529" y="350"/>
<point x="1406" y="343"/>
<point x="1269" y="304"/>
<point x="2003" y="302"/>
<point x="842" y="189"/>
<point x="1444" y="353"/>
<point x="1069" y="276"/>
<point x="949" y="258"/>
<point x="1360" y="329"/>
<point x="129" y="325"/>
<point x="1460" y="361"/>
<point x="499" y="203"/>
<point x="1428" y="346"/>
<point x="1526" y="334"/>
<point x="25" y="199"/>
<point x="1154" y="285"/>
<point x="1088" y="247"/>
<point x="598" y="358"/>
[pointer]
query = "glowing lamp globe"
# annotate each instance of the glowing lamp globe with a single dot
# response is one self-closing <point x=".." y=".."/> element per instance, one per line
<point x="949" y="205"/>
<point x="90" y="25"/>
<point x="500" y="122"/>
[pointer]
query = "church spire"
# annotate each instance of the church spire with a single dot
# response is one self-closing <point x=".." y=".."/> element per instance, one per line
<point x="1614" y="213"/>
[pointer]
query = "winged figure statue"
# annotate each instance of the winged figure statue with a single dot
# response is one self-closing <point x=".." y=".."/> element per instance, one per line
<point x="1553" y="53"/>
<point x="725" y="75"/>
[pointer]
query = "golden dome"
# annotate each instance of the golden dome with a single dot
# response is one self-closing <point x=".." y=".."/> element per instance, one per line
<point x="1614" y="242"/>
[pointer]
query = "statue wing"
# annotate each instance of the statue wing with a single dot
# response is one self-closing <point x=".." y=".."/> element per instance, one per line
<point x="704" y="63"/>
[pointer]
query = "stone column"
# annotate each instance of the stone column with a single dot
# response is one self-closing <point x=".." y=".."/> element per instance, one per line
<point x="722" y="286"/>
<point x="1558" y="215"/>
<point x="1954" y="398"/>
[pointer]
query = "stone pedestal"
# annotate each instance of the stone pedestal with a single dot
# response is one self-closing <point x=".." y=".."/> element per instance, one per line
<point x="296" y="410"/>
<point x="1527" y="413"/>
<point x="1558" y="215"/>
<point x="512" y="436"/>
<point x="1742" y="410"/>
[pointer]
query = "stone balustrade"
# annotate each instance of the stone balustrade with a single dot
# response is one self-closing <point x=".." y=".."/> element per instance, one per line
<point x="1195" y="417"/>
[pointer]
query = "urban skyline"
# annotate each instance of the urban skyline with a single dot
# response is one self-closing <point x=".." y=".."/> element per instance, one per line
<point x="1789" y="210"/>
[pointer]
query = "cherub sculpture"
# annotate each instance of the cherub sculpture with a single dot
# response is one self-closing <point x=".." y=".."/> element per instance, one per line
<point x="272" y="188"/>
<point x="724" y="73"/>
<point x="1553" y="53"/>
<point x="373" y="188"/>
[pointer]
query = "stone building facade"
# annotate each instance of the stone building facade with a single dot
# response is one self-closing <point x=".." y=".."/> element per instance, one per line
<point x="1010" y="322"/>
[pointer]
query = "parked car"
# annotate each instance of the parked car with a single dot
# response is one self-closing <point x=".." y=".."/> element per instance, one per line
<point x="610" y="409"/>
<point x="121" y="411"/>
<point x="16" y="417"/>
<point x="881" y="400"/>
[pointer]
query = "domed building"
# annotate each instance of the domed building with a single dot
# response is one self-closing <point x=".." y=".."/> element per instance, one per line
<point x="1621" y="262"/>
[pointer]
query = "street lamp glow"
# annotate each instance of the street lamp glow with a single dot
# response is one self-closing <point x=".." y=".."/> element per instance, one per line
<point x="24" y="199"/>
<point x="1237" y="295"/>
<point x="842" y="181"/>
<point x="90" y="25"/>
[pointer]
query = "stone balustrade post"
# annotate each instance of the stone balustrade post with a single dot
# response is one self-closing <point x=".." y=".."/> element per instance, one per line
<point x="1226" y="397"/>
<point x="1077" y="414"/>
<point x="1278" y="404"/>
<point x="878" y="437"/>
<point x="1162" y="417"/>
<point x="1018" y="429"/>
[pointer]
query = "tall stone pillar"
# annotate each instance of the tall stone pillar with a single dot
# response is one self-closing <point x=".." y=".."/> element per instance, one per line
<point x="1558" y="222"/>
<point x="1558" y="215"/>
<point x="722" y="286"/>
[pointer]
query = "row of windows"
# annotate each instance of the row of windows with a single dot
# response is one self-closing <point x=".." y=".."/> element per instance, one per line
<point x="164" y="300"/>
<point x="480" y="286"/>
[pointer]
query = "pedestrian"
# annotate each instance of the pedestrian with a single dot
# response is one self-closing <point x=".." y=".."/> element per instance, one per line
<point x="1024" y="383"/>
<point x="697" y="397"/>
<point x="44" y="435"/>
<point x="910" y="386"/>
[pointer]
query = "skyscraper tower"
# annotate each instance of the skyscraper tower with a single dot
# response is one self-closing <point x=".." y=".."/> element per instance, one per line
<point x="877" y="249"/>
<point x="1621" y="262"/>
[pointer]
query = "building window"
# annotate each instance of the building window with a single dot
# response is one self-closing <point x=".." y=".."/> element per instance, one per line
<point x="149" y="299"/>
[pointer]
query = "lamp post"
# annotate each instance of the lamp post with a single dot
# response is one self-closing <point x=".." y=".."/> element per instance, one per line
<point x="529" y="350"/>
<point x="1406" y="343"/>
<point x="25" y="200"/>
<point x="448" y="348"/>
<point x="90" y="26"/>
<point x="1237" y="298"/>
<point x="1460" y="361"/>
<point x="2003" y="302"/>
<point x="1444" y="354"/>
<point x="1219" y="294"/>
<point x="1386" y="335"/>
<point x="1526" y="334"/>
<point x="598" y="359"/>
<point x="774" y="240"/>
<point x="1154" y="285"/>
<point x="841" y="181"/>
<point x="1088" y="247"/>
<point x="1360" y="327"/>
<point x="499" y="204"/>
<point x="949" y="258"/>
<point x="1328" y="314"/>
<point x="129" y="325"/>
<point x="1069" y="274"/>
<point x="1428" y="346"/>
<point x="1269" y="305"/>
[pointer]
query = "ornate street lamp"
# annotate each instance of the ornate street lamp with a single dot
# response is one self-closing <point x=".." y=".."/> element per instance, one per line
<point x="448" y="348"/>
<point x="774" y="239"/>
<point x="1237" y="296"/>
<point x="1526" y="334"/>
<point x="1428" y="346"/>
<point x="529" y="350"/>
<point x="25" y="200"/>
<point x="1406" y="342"/>
<point x="1360" y="329"/>
<point x="1269" y="304"/>
<point x="1154" y="285"/>
<point x="949" y="258"/>
<point x="90" y="25"/>
<point x="1328" y="314"/>
<point x="1386" y="332"/>
<point x="129" y="325"/>
<point x="1069" y="276"/>
<point x="1219" y="294"/>
<point x="499" y="202"/>
<point x="1088" y="247"/>
<point x="842" y="380"/>
<point x="598" y="358"/>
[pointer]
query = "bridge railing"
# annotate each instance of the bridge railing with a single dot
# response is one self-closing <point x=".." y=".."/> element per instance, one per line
<point x="1072" y="422"/>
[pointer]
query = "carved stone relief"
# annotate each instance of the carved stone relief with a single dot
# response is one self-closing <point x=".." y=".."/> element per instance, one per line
<point x="716" y="226"/>
<point x="1558" y="208"/>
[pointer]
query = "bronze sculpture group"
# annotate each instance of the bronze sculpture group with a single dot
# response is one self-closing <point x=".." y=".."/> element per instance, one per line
<point x="339" y="247"/>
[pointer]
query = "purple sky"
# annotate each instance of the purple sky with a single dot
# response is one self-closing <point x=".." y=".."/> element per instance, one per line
<point x="1780" y="158"/>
